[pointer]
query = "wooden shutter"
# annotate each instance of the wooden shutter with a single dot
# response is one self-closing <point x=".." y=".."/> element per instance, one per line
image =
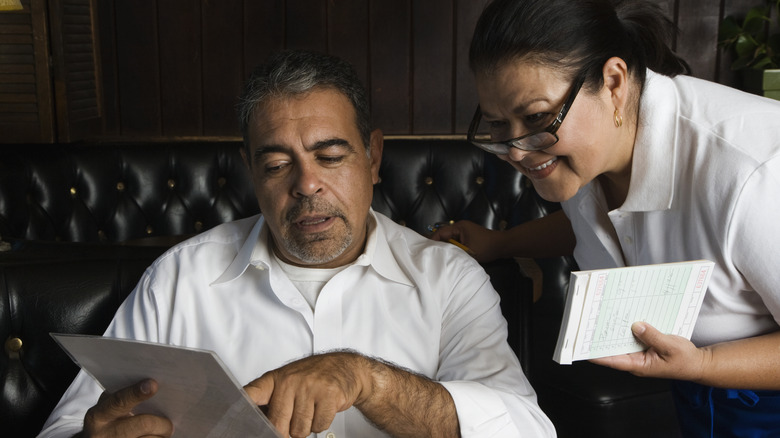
<point x="49" y="72"/>
<point x="25" y="83"/>
<point x="76" y="68"/>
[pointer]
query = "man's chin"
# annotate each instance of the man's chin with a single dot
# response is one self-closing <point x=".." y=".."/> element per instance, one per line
<point x="315" y="252"/>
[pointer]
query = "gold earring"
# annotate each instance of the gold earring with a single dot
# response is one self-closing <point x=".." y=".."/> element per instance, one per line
<point x="618" y="119"/>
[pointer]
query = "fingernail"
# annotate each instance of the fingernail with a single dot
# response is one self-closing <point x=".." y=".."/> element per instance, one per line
<point x="146" y="387"/>
<point x="638" y="328"/>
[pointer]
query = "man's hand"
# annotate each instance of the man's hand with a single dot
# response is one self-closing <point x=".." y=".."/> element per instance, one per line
<point x="112" y="416"/>
<point x="669" y="356"/>
<point x="304" y="396"/>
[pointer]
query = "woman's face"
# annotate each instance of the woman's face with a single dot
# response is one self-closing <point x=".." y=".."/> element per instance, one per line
<point x="522" y="97"/>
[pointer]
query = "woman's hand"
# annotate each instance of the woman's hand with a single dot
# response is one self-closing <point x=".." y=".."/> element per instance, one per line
<point x="668" y="356"/>
<point x="482" y="242"/>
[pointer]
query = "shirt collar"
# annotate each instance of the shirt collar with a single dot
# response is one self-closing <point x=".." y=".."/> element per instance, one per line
<point x="256" y="252"/>
<point x="652" y="170"/>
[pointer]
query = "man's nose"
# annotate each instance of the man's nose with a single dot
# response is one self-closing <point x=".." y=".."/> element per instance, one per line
<point x="308" y="180"/>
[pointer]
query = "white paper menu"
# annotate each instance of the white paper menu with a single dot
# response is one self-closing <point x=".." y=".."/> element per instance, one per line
<point x="195" y="389"/>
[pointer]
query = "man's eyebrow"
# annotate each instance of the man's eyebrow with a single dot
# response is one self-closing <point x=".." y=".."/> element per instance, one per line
<point x="322" y="144"/>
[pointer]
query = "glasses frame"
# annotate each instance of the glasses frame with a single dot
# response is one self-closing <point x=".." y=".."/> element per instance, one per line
<point x="517" y="143"/>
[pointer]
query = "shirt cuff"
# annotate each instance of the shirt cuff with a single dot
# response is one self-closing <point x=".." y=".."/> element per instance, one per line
<point x="481" y="412"/>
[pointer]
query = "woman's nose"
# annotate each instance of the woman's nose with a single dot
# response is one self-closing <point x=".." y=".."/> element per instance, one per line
<point x="516" y="154"/>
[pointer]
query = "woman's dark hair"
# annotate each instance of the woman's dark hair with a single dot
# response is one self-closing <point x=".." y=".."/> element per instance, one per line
<point x="576" y="36"/>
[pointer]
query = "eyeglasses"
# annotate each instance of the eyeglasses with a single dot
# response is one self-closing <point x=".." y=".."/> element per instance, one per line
<point x="535" y="141"/>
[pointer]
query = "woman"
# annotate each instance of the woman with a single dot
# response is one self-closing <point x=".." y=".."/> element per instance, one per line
<point x="585" y="98"/>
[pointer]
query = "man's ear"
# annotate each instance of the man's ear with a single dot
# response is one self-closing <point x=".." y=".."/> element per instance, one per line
<point x="377" y="144"/>
<point x="616" y="82"/>
<point x="244" y="158"/>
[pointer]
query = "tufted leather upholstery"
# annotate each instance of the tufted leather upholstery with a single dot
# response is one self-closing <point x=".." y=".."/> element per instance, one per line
<point x="115" y="193"/>
<point x="86" y="219"/>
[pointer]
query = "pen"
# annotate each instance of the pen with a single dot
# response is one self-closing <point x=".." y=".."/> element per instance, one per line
<point x="436" y="226"/>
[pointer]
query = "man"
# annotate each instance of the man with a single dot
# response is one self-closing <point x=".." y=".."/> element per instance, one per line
<point x="358" y="326"/>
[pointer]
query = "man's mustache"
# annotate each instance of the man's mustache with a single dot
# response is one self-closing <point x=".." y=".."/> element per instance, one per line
<point x="313" y="205"/>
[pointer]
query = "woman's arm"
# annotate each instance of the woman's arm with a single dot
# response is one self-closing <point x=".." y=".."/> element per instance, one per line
<point x="751" y="363"/>
<point x="548" y="236"/>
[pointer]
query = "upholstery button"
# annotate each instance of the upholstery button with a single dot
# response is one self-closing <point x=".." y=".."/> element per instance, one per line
<point x="221" y="181"/>
<point x="149" y="230"/>
<point x="101" y="235"/>
<point x="198" y="226"/>
<point x="120" y="186"/>
<point x="480" y="180"/>
<point x="13" y="345"/>
<point x="502" y="225"/>
<point x="428" y="180"/>
<point x="171" y="183"/>
<point x="72" y="191"/>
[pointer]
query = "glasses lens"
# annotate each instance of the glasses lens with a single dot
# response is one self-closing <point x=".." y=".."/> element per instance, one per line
<point x="493" y="148"/>
<point x="535" y="142"/>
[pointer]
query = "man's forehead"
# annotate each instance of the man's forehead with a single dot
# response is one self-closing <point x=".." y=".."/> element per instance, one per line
<point x="311" y="117"/>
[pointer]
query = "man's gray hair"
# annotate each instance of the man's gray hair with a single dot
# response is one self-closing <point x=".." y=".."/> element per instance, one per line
<point x="298" y="72"/>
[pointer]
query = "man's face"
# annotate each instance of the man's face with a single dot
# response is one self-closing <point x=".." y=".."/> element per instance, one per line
<point x="313" y="178"/>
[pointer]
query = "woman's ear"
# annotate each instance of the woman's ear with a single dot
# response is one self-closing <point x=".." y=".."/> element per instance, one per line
<point x="616" y="82"/>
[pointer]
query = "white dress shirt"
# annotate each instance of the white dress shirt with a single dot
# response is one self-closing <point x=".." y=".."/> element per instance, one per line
<point x="424" y="305"/>
<point x="705" y="184"/>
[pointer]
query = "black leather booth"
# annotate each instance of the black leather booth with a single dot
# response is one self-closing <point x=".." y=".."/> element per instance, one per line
<point x="83" y="221"/>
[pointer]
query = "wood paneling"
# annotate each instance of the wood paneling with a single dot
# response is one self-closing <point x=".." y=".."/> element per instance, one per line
<point x="390" y="64"/>
<point x="49" y="72"/>
<point x="432" y="59"/>
<point x="26" y="113"/>
<point x="181" y="64"/>
<point x="174" y="68"/>
<point x="76" y="67"/>
<point x="138" y="67"/>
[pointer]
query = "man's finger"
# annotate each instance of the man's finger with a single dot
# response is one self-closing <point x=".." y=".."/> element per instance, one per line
<point x="147" y="425"/>
<point x="260" y="389"/>
<point x="122" y="402"/>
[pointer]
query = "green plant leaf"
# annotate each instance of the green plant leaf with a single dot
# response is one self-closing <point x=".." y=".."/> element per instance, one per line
<point x="755" y="21"/>
<point x="745" y="46"/>
<point x="729" y="31"/>
<point x="741" y="63"/>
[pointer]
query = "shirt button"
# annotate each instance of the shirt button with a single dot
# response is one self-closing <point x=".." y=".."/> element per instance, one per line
<point x="628" y="240"/>
<point x="330" y="435"/>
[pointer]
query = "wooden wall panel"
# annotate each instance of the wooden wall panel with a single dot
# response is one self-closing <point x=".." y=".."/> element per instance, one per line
<point x="432" y="72"/>
<point x="698" y="21"/>
<point x="223" y="65"/>
<point x="174" y="68"/>
<point x="389" y="57"/>
<point x="138" y="68"/>
<point x="181" y="74"/>
<point x="108" y="45"/>
<point x="26" y="112"/>
<point x="264" y="29"/>
<point x="466" y="14"/>
<point x="348" y="34"/>
<point x="307" y="25"/>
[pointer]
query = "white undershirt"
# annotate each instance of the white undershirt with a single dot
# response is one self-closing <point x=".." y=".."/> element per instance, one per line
<point x="308" y="281"/>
